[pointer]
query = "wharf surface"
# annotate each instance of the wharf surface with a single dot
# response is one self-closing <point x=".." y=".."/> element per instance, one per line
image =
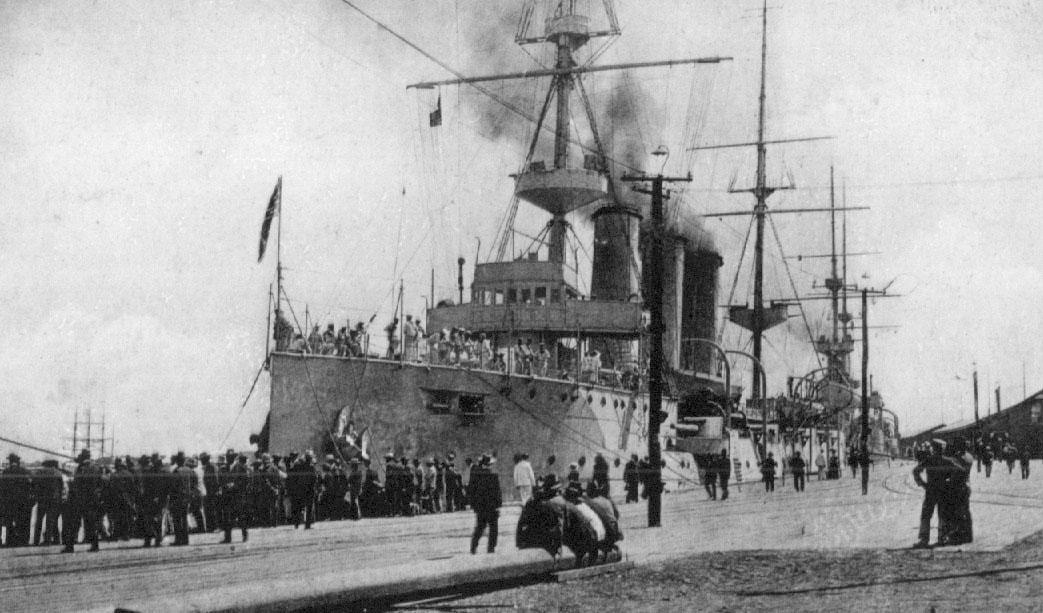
<point x="338" y="563"/>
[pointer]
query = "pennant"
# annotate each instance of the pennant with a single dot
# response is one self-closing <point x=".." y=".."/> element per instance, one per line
<point x="435" y="118"/>
<point x="274" y="205"/>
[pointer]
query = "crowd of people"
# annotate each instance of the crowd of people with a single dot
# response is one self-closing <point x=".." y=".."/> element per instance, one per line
<point x="450" y="347"/>
<point x="150" y="498"/>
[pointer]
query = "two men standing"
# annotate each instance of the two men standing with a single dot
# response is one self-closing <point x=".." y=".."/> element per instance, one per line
<point x="946" y="489"/>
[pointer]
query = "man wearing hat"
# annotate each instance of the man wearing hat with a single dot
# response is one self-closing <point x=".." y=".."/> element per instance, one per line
<point x="124" y="499"/>
<point x="16" y="501"/>
<point x="235" y="486"/>
<point x="155" y="493"/>
<point x="485" y="498"/>
<point x="182" y="488"/>
<point x="47" y="490"/>
<point x="84" y="503"/>
<point x="936" y="468"/>
<point x="302" y="481"/>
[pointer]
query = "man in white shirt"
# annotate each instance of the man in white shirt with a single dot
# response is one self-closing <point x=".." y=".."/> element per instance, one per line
<point x="524" y="478"/>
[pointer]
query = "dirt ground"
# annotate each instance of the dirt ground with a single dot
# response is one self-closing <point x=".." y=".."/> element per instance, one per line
<point x="841" y="580"/>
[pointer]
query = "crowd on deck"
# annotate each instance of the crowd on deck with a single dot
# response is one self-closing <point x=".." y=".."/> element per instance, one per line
<point x="449" y="347"/>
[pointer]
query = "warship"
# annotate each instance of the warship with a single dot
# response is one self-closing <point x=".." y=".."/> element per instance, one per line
<point x="523" y="360"/>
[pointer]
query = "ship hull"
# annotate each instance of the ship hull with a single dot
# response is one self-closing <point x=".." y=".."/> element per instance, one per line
<point x="417" y="410"/>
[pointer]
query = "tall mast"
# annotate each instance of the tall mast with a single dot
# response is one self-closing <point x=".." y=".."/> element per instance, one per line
<point x="278" y="253"/>
<point x="761" y="192"/>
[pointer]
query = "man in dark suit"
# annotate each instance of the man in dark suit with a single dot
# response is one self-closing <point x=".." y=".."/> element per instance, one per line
<point x="182" y="487"/>
<point x="84" y="503"/>
<point x="16" y="496"/>
<point x="724" y="472"/>
<point x="485" y="498"/>
<point x="47" y="489"/>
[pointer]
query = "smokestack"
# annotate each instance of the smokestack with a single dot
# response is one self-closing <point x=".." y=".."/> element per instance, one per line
<point x="699" y="308"/>
<point x="615" y="272"/>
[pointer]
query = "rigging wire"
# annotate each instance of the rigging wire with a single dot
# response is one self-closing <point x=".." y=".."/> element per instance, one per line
<point x="224" y="439"/>
<point x="793" y="286"/>
<point x="738" y="269"/>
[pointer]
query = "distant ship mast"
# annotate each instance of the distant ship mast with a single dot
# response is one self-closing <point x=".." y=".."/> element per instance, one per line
<point x="758" y="319"/>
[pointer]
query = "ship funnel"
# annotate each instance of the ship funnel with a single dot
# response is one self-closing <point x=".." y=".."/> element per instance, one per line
<point x="690" y="274"/>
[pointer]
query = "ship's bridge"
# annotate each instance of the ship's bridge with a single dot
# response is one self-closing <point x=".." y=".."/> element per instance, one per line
<point x="529" y="295"/>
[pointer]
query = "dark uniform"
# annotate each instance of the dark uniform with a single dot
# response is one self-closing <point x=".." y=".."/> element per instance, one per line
<point x="181" y="490"/>
<point x="937" y="468"/>
<point x="210" y="483"/>
<point x="301" y="485"/>
<point x="724" y="472"/>
<point x="986" y="459"/>
<point x="47" y="489"/>
<point x="954" y="505"/>
<point x="599" y="484"/>
<point x="485" y="498"/>
<point x="631" y="479"/>
<point x="768" y="472"/>
<point x="155" y="493"/>
<point x="268" y="486"/>
<point x="123" y="500"/>
<point x="710" y="476"/>
<point x="1023" y="459"/>
<point x="797" y="466"/>
<point x="16" y="502"/>
<point x="84" y="504"/>
<point x="235" y="490"/>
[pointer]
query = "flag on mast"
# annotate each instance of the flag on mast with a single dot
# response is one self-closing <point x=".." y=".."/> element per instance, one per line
<point x="274" y="206"/>
<point x="435" y="117"/>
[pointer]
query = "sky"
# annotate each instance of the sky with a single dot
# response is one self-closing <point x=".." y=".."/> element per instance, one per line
<point x="141" y="141"/>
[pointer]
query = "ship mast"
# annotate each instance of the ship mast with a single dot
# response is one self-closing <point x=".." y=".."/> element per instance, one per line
<point x="761" y="193"/>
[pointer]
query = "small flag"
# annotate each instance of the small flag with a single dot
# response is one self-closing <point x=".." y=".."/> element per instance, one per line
<point x="435" y="118"/>
<point x="274" y="205"/>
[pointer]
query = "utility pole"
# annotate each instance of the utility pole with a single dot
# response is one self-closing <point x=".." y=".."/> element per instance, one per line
<point x="977" y="421"/>
<point x="654" y="300"/>
<point x="864" y="443"/>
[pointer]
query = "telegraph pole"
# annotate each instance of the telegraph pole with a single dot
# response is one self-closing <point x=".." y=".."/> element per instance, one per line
<point x="864" y="443"/>
<point x="654" y="300"/>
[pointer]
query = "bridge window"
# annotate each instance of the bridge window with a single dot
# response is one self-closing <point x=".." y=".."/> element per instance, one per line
<point x="512" y="295"/>
<point x="555" y="295"/>
<point x="541" y="295"/>
<point x="440" y="402"/>
<point x="526" y="296"/>
<point x="499" y="296"/>
<point x="472" y="405"/>
<point x="487" y="297"/>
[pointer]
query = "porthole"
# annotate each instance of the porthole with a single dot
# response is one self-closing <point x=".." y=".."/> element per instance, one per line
<point x="590" y="400"/>
<point x="564" y="397"/>
<point x="603" y="401"/>
<point x="532" y="392"/>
